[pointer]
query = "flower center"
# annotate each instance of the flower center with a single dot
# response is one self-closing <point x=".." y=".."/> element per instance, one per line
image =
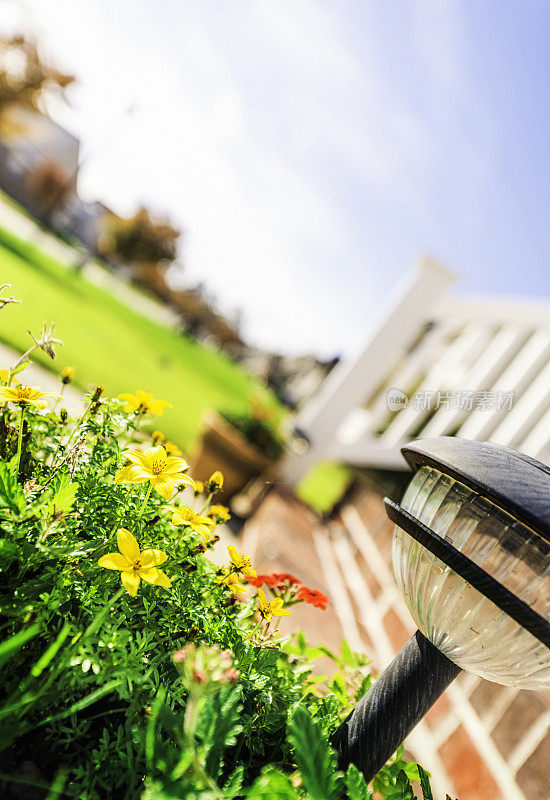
<point x="157" y="466"/>
<point x="137" y="565"/>
<point x="24" y="392"/>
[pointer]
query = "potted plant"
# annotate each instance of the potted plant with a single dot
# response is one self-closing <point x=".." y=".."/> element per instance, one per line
<point x="241" y="445"/>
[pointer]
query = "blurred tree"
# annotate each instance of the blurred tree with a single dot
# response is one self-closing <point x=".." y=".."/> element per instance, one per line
<point x="51" y="187"/>
<point x="24" y="76"/>
<point x="140" y="239"/>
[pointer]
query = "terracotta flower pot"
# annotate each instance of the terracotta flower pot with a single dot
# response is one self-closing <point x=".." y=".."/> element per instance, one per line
<point x="223" y="447"/>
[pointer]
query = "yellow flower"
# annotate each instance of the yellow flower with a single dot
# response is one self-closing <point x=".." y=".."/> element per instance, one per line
<point x="156" y="466"/>
<point x="143" y="403"/>
<point x="240" y="562"/>
<point x="134" y="565"/>
<point x="157" y="437"/>
<point x="215" y="481"/>
<point x="25" y="395"/>
<point x="232" y="581"/>
<point x="219" y="513"/>
<point x="272" y="609"/>
<point x="67" y="374"/>
<point x="4" y="374"/>
<point x="199" y="487"/>
<point x="172" y="449"/>
<point x="186" y="516"/>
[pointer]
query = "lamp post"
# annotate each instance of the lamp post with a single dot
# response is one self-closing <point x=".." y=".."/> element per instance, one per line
<point x="471" y="555"/>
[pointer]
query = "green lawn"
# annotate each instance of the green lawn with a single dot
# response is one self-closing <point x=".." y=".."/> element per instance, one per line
<point x="109" y="343"/>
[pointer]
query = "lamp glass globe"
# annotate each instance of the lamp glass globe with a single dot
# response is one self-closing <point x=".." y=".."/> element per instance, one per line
<point x="460" y="621"/>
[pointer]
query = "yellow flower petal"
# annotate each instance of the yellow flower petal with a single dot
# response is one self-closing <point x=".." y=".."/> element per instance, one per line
<point x="131" y="474"/>
<point x="233" y="555"/>
<point x="114" y="561"/>
<point x="172" y="449"/>
<point x="144" y="397"/>
<point x="130" y="581"/>
<point x="249" y="572"/>
<point x="127" y="544"/>
<point x="281" y="612"/>
<point x="152" y="558"/>
<point x="261" y="599"/>
<point x="156" y="576"/>
<point x="158" y="406"/>
<point x="177" y="463"/>
<point x="164" y="486"/>
<point x="155" y="453"/>
<point x="217" y="478"/>
<point x="204" y="531"/>
<point x="185" y="479"/>
<point x="133" y="456"/>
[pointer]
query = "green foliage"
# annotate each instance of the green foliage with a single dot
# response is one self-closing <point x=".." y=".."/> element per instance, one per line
<point x="315" y="759"/>
<point x="12" y="499"/>
<point x="425" y="783"/>
<point x="263" y="434"/>
<point x="110" y="343"/>
<point x="356" y="786"/>
<point x="140" y="239"/>
<point x="178" y="692"/>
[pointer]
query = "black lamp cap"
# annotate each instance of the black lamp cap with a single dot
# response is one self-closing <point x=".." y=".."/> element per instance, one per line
<point x="517" y="483"/>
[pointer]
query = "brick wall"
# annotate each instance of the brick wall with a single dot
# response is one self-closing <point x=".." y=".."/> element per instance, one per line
<point x="481" y="741"/>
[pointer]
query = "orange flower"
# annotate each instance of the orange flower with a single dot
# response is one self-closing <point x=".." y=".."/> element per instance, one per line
<point x="314" y="597"/>
<point x="277" y="580"/>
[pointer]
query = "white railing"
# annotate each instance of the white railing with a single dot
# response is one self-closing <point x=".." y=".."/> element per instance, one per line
<point x="435" y="365"/>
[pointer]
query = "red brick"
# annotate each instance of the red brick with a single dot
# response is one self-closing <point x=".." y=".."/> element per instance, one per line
<point x="471" y="778"/>
<point x="438" y="711"/>
<point x="279" y="538"/>
<point x="517" y="719"/>
<point x="370" y="577"/>
<point x="484" y="696"/>
<point x="397" y="632"/>
<point x="533" y="775"/>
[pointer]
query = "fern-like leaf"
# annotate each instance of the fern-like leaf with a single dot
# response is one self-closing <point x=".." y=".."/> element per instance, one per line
<point x="356" y="785"/>
<point x="272" y="785"/>
<point x="425" y="783"/>
<point x="314" y="757"/>
<point x="218" y="727"/>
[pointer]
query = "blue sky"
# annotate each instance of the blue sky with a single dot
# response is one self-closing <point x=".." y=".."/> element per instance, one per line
<point x="313" y="150"/>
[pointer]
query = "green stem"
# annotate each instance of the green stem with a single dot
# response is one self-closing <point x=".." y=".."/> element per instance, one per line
<point x="54" y="459"/>
<point x="253" y="631"/>
<point x="145" y="499"/>
<point x="183" y="530"/>
<point x="205" y="506"/>
<point x="25" y="355"/>
<point x="19" y="441"/>
<point x="190" y="722"/>
<point x="78" y="424"/>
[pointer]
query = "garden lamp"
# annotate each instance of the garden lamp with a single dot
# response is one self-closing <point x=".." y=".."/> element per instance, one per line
<point x="471" y="554"/>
